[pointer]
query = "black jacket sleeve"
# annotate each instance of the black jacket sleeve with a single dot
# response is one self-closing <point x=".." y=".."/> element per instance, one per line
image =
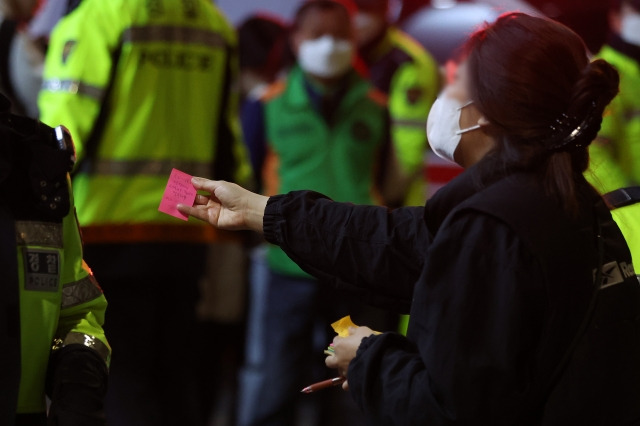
<point x="475" y="321"/>
<point x="374" y="252"/>
<point x="76" y="384"/>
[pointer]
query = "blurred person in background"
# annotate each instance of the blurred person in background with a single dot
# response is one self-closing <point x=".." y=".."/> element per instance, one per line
<point x="262" y="46"/>
<point x="144" y="87"/>
<point x="615" y="155"/>
<point x="263" y="56"/>
<point x="21" y="56"/>
<point x="402" y="69"/>
<point x="51" y="307"/>
<point x="18" y="9"/>
<point x="24" y="37"/>
<point x="326" y="128"/>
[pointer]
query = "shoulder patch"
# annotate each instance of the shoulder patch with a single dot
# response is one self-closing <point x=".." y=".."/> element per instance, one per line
<point x="274" y="90"/>
<point x="378" y="97"/>
<point x="41" y="269"/>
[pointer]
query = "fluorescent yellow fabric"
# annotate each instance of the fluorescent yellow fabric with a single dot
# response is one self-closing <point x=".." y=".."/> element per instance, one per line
<point x="157" y="87"/>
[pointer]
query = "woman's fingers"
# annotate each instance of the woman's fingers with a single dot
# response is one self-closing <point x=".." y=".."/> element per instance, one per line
<point x="345" y="385"/>
<point x="331" y="361"/>
<point x="196" y="212"/>
<point x="201" y="200"/>
<point x="184" y="209"/>
<point x="204" y="184"/>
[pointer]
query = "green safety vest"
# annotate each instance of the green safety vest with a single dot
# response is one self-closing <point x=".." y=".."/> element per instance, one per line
<point x="306" y="153"/>
<point x="60" y="302"/>
<point x="410" y="77"/>
<point x="144" y="87"/>
<point x="615" y="154"/>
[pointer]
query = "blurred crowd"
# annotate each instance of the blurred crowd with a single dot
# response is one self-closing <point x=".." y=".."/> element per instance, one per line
<point x="209" y="327"/>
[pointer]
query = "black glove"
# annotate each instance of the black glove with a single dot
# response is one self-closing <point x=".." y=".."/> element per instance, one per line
<point x="76" y="385"/>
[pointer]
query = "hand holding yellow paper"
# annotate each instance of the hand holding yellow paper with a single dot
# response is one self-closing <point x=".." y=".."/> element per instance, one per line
<point x="341" y="327"/>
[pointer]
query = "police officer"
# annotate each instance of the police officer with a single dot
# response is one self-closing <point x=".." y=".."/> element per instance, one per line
<point x="399" y="67"/>
<point x="146" y="86"/>
<point x="615" y="155"/>
<point x="52" y="308"/>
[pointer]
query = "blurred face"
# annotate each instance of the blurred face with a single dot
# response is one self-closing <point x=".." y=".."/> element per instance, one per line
<point x="369" y="25"/>
<point x="628" y="25"/>
<point x="323" y="43"/>
<point x="18" y="9"/>
<point x="317" y="23"/>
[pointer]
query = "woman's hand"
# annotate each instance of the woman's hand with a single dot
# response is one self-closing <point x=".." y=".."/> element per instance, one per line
<point x="345" y="349"/>
<point x="228" y="206"/>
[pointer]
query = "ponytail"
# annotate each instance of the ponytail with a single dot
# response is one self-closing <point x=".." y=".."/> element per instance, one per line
<point x="573" y="132"/>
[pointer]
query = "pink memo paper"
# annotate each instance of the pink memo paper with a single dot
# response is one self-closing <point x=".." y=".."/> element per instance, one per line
<point x="179" y="190"/>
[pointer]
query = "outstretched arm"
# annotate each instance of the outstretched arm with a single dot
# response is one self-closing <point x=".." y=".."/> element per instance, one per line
<point x="371" y="251"/>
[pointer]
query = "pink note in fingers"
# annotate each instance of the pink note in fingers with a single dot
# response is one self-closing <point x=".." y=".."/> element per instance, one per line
<point x="179" y="190"/>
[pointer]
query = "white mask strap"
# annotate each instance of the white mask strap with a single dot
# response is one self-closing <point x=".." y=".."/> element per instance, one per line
<point x="465" y="105"/>
<point x="468" y="129"/>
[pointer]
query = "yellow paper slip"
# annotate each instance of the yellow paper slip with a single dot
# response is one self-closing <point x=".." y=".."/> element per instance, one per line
<point x="341" y="327"/>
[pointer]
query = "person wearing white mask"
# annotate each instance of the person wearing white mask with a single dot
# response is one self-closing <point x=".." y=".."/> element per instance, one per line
<point x="616" y="152"/>
<point x="525" y="307"/>
<point x="326" y="128"/>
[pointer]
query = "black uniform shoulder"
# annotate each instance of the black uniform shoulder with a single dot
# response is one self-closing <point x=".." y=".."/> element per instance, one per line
<point x="33" y="170"/>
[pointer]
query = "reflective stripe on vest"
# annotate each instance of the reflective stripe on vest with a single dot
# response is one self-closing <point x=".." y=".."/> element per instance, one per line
<point x="147" y="167"/>
<point x="74" y="87"/>
<point x="79" y="292"/>
<point x="168" y="34"/>
<point x="29" y="233"/>
<point x="87" y="340"/>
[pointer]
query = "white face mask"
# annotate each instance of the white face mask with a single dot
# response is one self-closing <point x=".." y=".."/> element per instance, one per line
<point x="443" y="126"/>
<point x="630" y="28"/>
<point x="326" y="56"/>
